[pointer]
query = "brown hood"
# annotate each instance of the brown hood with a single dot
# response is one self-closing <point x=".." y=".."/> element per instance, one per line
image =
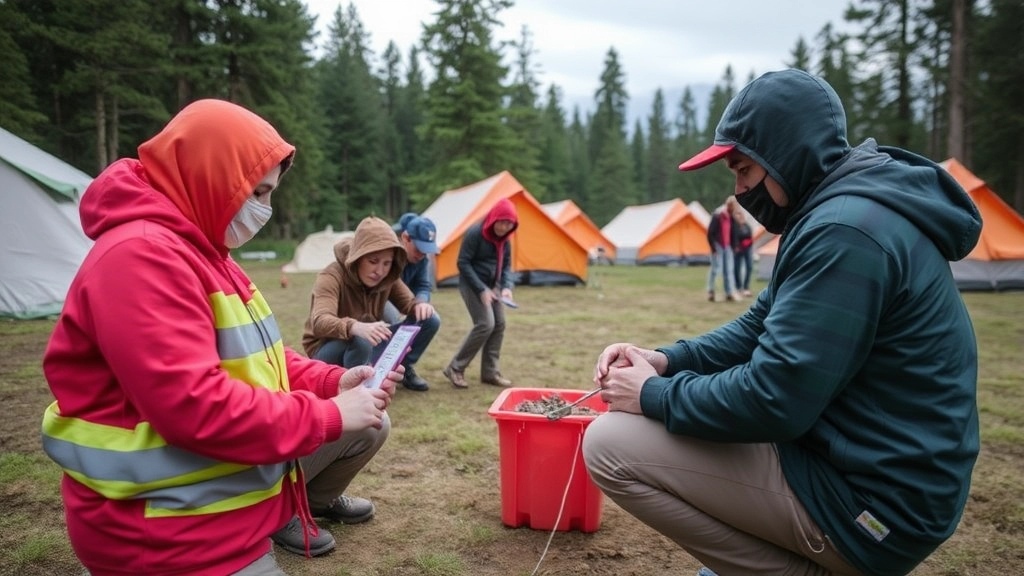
<point x="372" y="235"/>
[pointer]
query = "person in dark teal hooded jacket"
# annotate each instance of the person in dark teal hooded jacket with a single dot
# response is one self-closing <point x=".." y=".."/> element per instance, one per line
<point x="833" y="427"/>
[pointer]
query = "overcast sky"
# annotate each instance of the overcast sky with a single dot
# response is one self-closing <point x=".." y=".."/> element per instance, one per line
<point x="666" y="44"/>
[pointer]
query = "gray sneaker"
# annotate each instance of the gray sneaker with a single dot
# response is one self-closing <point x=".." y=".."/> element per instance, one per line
<point x="705" y="571"/>
<point x="347" y="510"/>
<point x="290" y="538"/>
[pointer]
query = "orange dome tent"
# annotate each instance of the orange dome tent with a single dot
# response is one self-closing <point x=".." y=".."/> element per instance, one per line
<point x="660" y="233"/>
<point x="542" y="252"/>
<point x="574" y="221"/>
<point x="997" y="262"/>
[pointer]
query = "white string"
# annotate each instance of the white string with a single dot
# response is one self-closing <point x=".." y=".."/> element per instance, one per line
<point x="561" y="508"/>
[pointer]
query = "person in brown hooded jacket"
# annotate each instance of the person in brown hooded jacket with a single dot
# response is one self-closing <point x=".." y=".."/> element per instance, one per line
<point x="345" y="324"/>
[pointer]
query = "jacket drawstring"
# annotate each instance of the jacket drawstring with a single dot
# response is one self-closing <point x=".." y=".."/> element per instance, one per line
<point x="309" y="527"/>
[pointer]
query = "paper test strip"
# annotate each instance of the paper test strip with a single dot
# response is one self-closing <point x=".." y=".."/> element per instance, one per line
<point x="393" y="354"/>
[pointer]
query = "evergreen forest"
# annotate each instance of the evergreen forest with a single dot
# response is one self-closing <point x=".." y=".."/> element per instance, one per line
<point x="382" y="134"/>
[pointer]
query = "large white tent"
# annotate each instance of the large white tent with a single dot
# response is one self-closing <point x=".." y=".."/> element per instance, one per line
<point x="316" y="251"/>
<point x="41" y="239"/>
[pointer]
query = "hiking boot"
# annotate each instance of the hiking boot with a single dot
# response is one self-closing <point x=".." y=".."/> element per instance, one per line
<point x="711" y="296"/>
<point x="497" y="380"/>
<point x="413" y="381"/>
<point x="347" y="510"/>
<point x="290" y="538"/>
<point x="705" y="571"/>
<point x="455" y="377"/>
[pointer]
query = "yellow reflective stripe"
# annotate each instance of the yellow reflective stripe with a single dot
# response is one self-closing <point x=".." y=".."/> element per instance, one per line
<point x="92" y="435"/>
<point x="138" y="463"/>
<point x="169" y="478"/>
<point x="258" y="303"/>
<point x="247" y="337"/>
<point x="229" y="311"/>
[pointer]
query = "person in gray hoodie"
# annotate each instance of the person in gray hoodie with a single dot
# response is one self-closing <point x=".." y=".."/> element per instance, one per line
<point x="833" y="427"/>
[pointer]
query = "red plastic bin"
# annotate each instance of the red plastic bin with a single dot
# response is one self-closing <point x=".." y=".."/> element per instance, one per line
<point x="536" y="457"/>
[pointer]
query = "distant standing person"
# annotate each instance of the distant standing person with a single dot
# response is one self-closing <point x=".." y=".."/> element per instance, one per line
<point x="742" y="247"/>
<point x="345" y="324"/>
<point x="720" y="240"/>
<point x="418" y="236"/>
<point x="485" y="279"/>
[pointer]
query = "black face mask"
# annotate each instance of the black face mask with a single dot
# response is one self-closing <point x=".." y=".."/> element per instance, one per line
<point x="759" y="203"/>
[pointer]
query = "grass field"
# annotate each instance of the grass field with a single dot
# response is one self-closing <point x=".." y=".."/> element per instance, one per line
<point x="435" y="482"/>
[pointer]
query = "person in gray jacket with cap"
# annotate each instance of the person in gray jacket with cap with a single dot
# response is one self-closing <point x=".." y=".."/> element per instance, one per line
<point x="418" y="236"/>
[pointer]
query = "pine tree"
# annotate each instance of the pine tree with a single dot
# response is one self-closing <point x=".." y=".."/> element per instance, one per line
<point x="801" y="56"/>
<point x="579" y="176"/>
<point x="465" y="129"/>
<point x="280" y="82"/>
<point x="661" y="161"/>
<point x="638" y="157"/>
<point x="94" y="83"/>
<point x="19" y="113"/>
<point x="397" y="199"/>
<point x="888" y="48"/>
<point x="688" y="141"/>
<point x="836" y="66"/>
<point x="999" y="147"/>
<point x="612" y="185"/>
<point x="523" y="116"/>
<point x="409" y="114"/>
<point x="554" y="165"/>
<point x="354" y="116"/>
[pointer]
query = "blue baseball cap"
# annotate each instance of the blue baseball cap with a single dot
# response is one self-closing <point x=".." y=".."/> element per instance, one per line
<point x="399" y="226"/>
<point x="423" y="234"/>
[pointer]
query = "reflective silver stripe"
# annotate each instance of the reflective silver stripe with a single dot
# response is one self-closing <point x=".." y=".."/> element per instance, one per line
<point x="137" y="467"/>
<point x="212" y="491"/>
<point x="242" y="341"/>
<point x="166" y="466"/>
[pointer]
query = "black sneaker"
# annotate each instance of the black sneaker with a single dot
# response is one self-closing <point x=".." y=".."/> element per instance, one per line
<point x="290" y="538"/>
<point x="347" y="510"/>
<point x="413" y="381"/>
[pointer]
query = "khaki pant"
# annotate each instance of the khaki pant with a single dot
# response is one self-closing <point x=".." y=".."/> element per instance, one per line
<point x="330" y="469"/>
<point x="727" y="504"/>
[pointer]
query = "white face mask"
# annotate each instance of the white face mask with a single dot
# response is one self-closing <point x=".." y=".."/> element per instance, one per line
<point x="252" y="216"/>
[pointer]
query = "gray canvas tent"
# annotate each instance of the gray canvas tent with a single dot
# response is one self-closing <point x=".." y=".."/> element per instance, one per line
<point x="42" y="242"/>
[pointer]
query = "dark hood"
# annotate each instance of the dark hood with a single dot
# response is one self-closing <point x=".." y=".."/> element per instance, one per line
<point x="793" y="124"/>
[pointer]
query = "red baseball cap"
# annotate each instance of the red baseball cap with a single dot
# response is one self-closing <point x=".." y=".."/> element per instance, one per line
<point x="710" y="154"/>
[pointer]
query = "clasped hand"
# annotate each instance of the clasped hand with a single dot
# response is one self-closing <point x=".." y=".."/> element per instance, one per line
<point x="621" y="371"/>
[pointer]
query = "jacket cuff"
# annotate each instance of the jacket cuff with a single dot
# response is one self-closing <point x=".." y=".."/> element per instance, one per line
<point x="332" y="421"/>
<point x="679" y="358"/>
<point x="330" y="386"/>
<point x="651" y="394"/>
